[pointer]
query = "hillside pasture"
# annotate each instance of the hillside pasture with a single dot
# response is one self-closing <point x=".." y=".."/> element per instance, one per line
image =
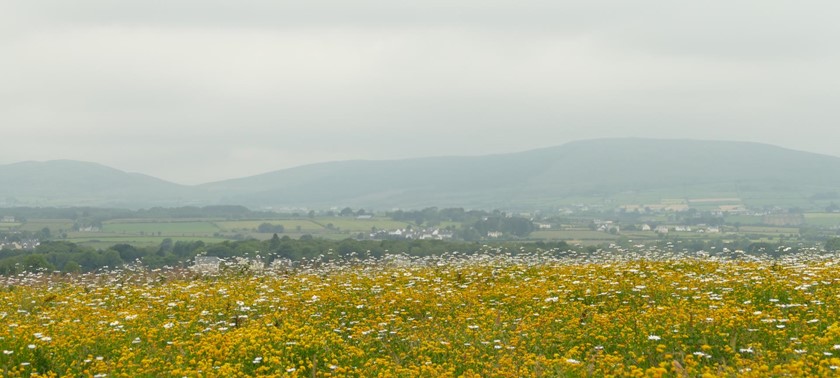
<point x="54" y="225"/>
<point x="744" y="219"/>
<point x="769" y="230"/>
<point x="160" y="228"/>
<point x="6" y="226"/>
<point x="362" y="225"/>
<point x="290" y="225"/>
<point x="822" y="219"/>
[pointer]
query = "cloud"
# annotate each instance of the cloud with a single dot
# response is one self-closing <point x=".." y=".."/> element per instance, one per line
<point x="171" y="88"/>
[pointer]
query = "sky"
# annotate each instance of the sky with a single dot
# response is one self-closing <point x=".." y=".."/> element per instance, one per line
<point x="193" y="91"/>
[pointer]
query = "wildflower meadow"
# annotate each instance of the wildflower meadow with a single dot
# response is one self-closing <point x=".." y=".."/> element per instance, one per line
<point x="611" y="313"/>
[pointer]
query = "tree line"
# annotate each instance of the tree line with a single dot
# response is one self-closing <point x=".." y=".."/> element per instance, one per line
<point x="63" y="256"/>
<point x="69" y="257"/>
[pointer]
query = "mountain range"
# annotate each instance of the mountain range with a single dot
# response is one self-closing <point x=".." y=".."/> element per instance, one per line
<point x="612" y="171"/>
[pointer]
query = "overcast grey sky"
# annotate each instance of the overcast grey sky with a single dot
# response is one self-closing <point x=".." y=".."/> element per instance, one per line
<point x="201" y="90"/>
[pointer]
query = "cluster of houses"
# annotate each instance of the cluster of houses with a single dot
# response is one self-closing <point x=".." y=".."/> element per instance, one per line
<point x="665" y="229"/>
<point x="607" y="226"/>
<point x="419" y="234"/>
<point x="611" y="227"/>
<point x="29" y="244"/>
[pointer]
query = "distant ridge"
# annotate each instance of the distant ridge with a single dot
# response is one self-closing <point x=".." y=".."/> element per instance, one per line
<point x="76" y="183"/>
<point x="610" y="171"/>
<point x="636" y="168"/>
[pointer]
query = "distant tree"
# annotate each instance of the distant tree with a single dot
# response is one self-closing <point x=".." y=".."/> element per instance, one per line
<point x="34" y="263"/>
<point x="469" y="234"/>
<point x="267" y="228"/>
<point x="166" y="245"/>
<point x="517" y="226"/>
<point x="44" y="234"/>
<point x="128" y="252"/>
<point x="274" y="243"/>
<point x="111" y="259"/>
<point x="832" y="245"/>
<point x="72" y="267"/>
<point x="346" y="212"/>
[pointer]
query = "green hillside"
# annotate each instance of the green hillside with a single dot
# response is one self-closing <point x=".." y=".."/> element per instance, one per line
<point x="606" y="171"/>
<point x="74" y="183"/>
<point x="620" y="169"/>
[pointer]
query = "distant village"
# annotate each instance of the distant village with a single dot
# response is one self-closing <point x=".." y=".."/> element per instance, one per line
<point x="668" y="216"/>
<point x="28" y="244"/>
<point x="418" y="234"/>
<point x="9" y="242"/>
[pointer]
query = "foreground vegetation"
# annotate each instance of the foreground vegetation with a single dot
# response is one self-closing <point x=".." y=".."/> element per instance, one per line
<point x="609" y="313"/>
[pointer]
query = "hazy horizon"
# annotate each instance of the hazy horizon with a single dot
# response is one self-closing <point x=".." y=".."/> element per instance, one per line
<point x="194" y="92"/>
<point x="419" y="157"/>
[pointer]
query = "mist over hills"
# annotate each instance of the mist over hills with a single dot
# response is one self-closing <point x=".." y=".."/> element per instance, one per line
<point x="611" y="170"/>
<point x="75" y="183"/>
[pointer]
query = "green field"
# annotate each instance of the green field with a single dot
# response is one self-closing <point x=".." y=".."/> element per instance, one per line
<point x="744" y="219"/>
<point x="145" y="232"/>
<point x="152" y="231"/>
<point x="769" y="230"/>
<point x="362" y="225"/>
<point x="9" y="225"/>
<point x="291" y="225"/>
<point x="822" y="219"/>
<point x="164" y="228"/>
<point x="54" y="225"/>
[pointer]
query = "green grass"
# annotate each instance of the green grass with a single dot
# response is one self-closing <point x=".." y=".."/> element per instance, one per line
<point x="769" y="230"/>
<point x="362" y="225"/>
<point x="291" y="225"/>
<point x="164" y="228"/>
<point x="9" y="226"/>
<point x="53" y="224"/>
<point x="822" y="219"/>
<point x="744" y="219"/>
